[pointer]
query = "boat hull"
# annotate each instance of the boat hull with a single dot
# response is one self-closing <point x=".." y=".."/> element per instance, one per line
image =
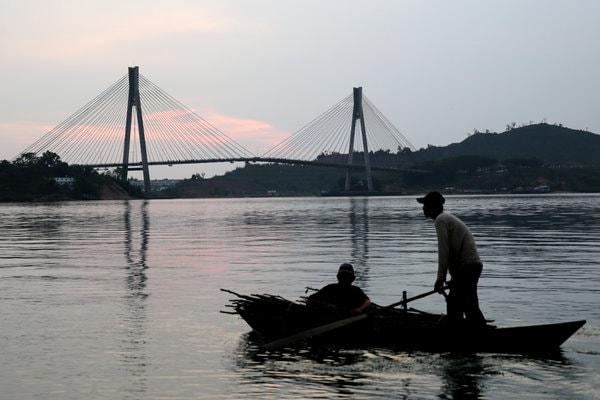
<point x="520" y="339"/>
<point x="273" y="318"/>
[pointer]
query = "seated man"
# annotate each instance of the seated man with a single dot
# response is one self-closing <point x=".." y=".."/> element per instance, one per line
<point x="342" y="296"/>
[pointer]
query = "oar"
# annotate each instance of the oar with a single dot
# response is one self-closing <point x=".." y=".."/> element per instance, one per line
<point x="275" y="344"/>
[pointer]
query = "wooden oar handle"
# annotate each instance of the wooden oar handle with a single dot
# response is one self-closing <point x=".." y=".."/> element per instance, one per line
<point x="405" y="301"/>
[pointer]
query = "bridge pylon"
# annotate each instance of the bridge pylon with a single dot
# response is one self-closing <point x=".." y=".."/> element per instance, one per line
<point x="135" y="102"/>
<point x="357" y="115"/>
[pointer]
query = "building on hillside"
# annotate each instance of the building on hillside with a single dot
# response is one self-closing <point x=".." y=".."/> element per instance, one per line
<point x="64" y="180"/>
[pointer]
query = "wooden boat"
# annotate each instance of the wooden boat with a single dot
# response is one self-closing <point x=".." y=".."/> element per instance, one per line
<point x="274" y="318"/>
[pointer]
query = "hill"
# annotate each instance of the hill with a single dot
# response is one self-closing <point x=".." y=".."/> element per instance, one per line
<point x="551" y="144"/>
<point x="521" y="159"/>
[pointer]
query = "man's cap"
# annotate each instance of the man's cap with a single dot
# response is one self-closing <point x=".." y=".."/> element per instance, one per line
<point x="432" y="198"/>
<point x="346" y="268"/>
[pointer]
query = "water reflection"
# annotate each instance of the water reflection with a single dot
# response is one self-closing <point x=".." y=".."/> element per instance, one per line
<point x="327" y="371"/>
<point x="318" y="370"/>
<point x="134" y="355"/>
<point x="358" y="217"/>
<point x="135" y="253"/>
<point x="463" y="377"/>
<point x="338" y="372"/>
<point x="47" y="224"/>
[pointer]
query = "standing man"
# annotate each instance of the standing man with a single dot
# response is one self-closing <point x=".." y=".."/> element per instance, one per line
<point x="457" y="255"/>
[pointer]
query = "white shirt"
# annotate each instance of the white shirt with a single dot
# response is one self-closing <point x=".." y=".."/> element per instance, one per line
<point x="456" y="245"/>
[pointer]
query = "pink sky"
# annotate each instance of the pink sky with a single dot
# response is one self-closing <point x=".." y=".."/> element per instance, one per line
<point x="259" y="70"/>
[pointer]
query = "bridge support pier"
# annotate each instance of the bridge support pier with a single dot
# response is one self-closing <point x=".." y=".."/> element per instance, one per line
<point x="357" y="114"/>
<point x="134" y="102"/>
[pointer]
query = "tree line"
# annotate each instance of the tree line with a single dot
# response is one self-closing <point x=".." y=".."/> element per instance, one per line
<point x="46" y="177"/>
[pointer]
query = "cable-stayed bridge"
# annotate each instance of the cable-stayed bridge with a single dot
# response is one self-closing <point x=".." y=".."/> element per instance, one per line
<point x="134" y="124"/>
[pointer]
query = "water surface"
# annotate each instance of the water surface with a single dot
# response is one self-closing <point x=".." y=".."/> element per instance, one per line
<point x="121" y="299"/>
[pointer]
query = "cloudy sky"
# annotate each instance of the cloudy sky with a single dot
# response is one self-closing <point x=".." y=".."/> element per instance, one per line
<point x="259" y="70"/>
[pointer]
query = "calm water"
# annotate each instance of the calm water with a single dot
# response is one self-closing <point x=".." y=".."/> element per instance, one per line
<point x="121" y="300"/>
